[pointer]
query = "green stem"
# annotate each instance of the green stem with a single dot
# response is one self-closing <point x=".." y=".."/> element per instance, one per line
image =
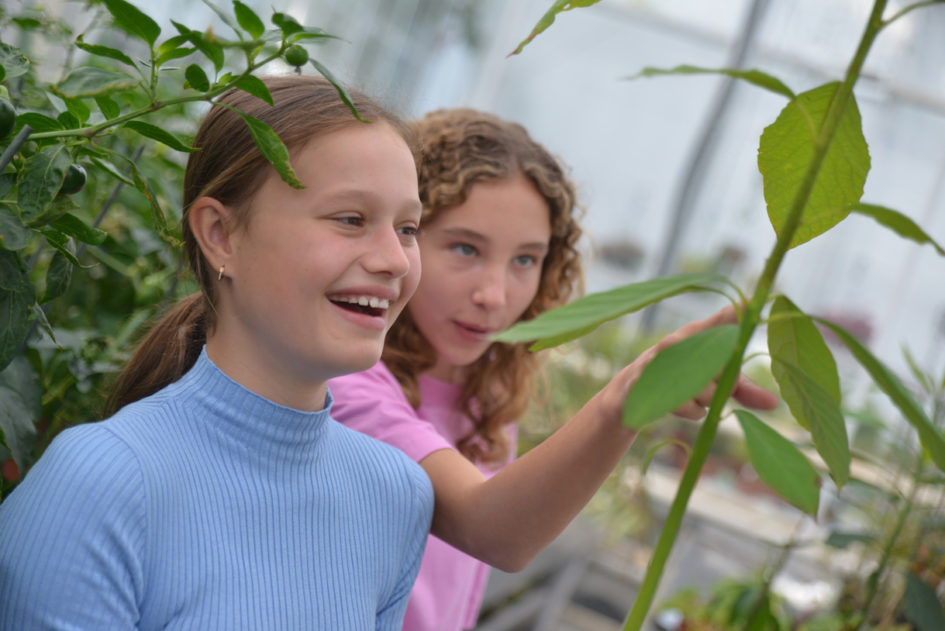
<point x="726" y="381"/>
<point x="872" y="583"/>
<point x="908" y="9"/>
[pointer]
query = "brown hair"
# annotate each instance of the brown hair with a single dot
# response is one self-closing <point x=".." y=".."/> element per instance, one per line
<point x="460" y="147"/>
<point x="230" y="168"/>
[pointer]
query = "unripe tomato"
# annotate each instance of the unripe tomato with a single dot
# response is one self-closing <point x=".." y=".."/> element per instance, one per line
<point x="296" y="55"/>
<point x="8" y="117"/>
<point x="74" y="181"/>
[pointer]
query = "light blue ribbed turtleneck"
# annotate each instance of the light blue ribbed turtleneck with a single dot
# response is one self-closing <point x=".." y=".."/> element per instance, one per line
<point x="206" y="506"/>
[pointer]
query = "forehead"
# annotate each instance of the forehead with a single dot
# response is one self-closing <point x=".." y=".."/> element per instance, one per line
<point x="510" y="210"/>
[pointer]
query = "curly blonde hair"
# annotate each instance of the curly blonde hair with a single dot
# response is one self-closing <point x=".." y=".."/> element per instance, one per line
<point x="458" y="148"/>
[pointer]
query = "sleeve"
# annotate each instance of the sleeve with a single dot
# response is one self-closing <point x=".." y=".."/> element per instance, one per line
<point x="391" y="615"/>
<point x="71" y="536"/>
<point x="373" y="403"/>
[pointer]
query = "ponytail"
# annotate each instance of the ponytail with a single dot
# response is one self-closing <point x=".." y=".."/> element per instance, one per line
<point x="168" y="351"/>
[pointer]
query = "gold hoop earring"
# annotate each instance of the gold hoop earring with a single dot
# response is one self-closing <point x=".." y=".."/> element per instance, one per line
<point x="220" y="274"/>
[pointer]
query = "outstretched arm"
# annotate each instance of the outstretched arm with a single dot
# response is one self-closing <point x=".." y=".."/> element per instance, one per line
<point x="508" y="519"/>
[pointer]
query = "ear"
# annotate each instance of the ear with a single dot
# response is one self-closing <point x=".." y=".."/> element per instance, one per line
<point x="211" y="223"/>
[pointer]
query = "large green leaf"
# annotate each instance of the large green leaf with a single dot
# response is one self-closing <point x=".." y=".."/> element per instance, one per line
<point x="248" y="20"/>
<point x="39" y="181"/>
<point x="785" y="153"/>
<point x="16" y="297"/>
<point x="325" y="72"/>
<point x="39" y="122"/>
<point x="272" y="147"/>
<point x="13" y="61"/>
<point x="929" y="435"/>
<point x="78" y="229"/>
<point x="287" y="24"/>
<point x="13" y="234"/>
<point x="756" y="77"/>
<point x="585" y="314"/>
<point x="58" y="276"/>
<point x="109" y="108"/>
<point x="780" y="464"/>
<point x="103" y="51"/>
<point x="898" y="223"/>
<point x="549" y="18"/>
<point x="160" y="134"/>
<point x="923" y="608"/>
<point x="256" y="87"/>
<point x="20" y="398"/>
<point x="678" y="373"/>
<point x="197" y="78"/>
<point x="793" y="339"/>
<point x="160" y="218"/>
<point x="209" y="46"/>
<point x="88" y="81"/>
<point x="819" y="411"/>
<point x="132" y="20"/>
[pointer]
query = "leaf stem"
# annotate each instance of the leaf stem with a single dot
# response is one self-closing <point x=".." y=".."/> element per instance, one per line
<point x="908" y="9"/>
<point x="752" y="315"/>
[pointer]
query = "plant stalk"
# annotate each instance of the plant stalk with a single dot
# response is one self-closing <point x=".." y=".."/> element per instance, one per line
<point x="18" y="141"/>
<point x="872" y="583"/>
<point x="752" y="316"/>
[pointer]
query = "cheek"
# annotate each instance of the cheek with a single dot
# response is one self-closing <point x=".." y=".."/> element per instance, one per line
<point x="412" y="279"/>
<point x="526" y="292"/>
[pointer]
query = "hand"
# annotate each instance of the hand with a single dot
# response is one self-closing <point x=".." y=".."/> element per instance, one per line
<point x="746" y="392"/>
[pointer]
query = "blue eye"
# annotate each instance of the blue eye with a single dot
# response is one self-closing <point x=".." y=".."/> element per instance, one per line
<point x="464" y="249"/>
<point x="525" y="260"/>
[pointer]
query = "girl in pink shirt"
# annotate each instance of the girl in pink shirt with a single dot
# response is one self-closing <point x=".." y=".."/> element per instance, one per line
<point x="497" y="245"/>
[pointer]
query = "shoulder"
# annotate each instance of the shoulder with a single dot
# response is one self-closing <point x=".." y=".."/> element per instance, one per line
<point x="86" y="463"/>
<point x="76" y="522"/>
<point x="375" y="382"/>
<point x="373" y="403"/>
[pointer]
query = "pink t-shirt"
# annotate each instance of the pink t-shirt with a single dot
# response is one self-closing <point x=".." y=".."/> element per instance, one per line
<point x="449" y="588"/>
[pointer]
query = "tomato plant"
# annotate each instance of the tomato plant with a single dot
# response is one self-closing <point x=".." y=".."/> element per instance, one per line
<point x="90" y="174"/>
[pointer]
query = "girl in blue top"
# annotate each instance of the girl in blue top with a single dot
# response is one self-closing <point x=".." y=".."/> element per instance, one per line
<point x="222" y="495"/>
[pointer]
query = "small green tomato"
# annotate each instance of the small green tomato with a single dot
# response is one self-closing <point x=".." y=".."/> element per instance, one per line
<point x="74" y="180"/>
<point x="296" y="55"/>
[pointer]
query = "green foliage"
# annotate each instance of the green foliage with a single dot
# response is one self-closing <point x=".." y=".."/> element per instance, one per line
<point x="780" y="464"/>
<point x="677" y="374"/>
<point x="814" y="162"/>
<point x="90" y="184"/>
<point x="549" y="18"/>
<point x="583" y="316"/>
<point x="787" y="149"/>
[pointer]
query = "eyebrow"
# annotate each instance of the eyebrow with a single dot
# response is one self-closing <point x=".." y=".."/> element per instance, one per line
<point x="472" y="235"/>
<point x="367" y="197"/>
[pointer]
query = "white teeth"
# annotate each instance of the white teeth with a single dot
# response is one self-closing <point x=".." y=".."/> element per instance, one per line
<point x="366" y="301"/>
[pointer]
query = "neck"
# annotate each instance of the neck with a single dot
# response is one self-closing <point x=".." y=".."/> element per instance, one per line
<point x="270" y="379"/>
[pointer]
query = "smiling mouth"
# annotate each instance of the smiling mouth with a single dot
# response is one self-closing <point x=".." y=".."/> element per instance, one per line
<point x="368" y="305"/>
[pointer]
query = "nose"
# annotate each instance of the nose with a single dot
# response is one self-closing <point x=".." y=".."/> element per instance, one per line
<point x="386" y="254"/>
<point x="491" y="288"/>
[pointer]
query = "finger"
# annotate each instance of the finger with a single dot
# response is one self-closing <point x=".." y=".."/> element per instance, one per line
<point x="704" y="398"/>
<point x="751" y="395"/>
<point x="726" y="315"/>
<point x="691" y="411"/>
